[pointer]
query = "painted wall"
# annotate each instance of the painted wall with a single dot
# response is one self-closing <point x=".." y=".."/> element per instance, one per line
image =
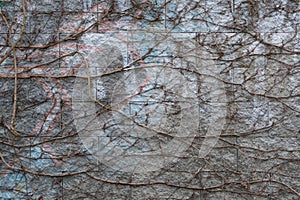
<point x="149" y="99"/>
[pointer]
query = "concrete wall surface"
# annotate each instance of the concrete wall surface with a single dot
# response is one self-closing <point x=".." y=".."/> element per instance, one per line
<point x="150" y="99"/>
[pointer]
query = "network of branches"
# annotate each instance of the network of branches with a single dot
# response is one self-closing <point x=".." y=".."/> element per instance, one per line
<point x="212" y="87"/>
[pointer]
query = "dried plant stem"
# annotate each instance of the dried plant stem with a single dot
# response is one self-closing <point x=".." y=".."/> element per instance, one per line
<point x="12" y="123"/>
<point x="20" y="35"/>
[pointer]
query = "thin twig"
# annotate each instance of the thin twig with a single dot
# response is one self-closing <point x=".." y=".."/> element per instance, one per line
<point x="12" y="123"/>
<point x="20" y="35"/>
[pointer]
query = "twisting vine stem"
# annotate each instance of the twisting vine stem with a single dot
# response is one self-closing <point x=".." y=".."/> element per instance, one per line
<point x="12" y="123"/>
<point x="20" y="35"/>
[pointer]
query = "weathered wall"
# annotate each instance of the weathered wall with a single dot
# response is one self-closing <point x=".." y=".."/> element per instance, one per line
<point x="149" y="99"/>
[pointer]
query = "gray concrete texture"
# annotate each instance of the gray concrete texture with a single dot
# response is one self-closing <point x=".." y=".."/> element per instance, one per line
<point x="154" y="99"/>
